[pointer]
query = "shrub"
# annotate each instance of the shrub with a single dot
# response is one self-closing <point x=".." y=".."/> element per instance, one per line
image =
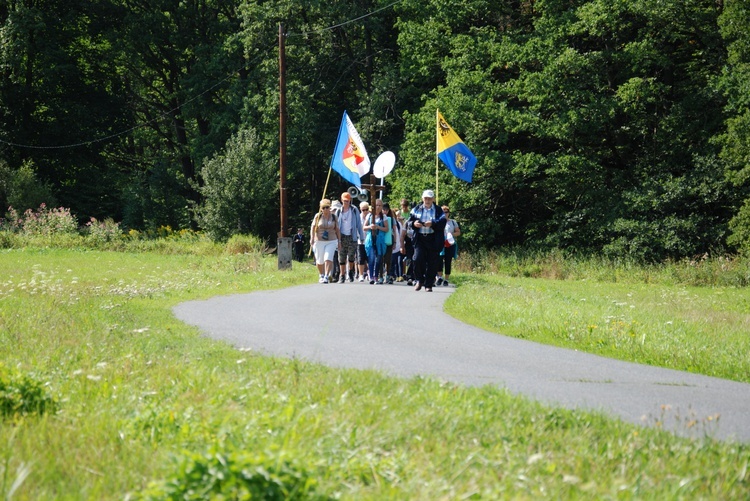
<point x="21" y="188"/>
<point x="42" y="222"/>
<point x="740" y="228"/>
<point x="100" y="232"/>
<point x="245" y="244"/>
<point x="239" y="189"/>
<point x="22" y="394"/>
<point x="233" y="476"/>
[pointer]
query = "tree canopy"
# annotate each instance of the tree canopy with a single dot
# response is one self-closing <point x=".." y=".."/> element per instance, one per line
<point x="616" y="127"/>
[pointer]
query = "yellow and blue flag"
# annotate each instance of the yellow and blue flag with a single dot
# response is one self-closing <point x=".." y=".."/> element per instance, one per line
<point x="350" y="156"/>
<point x="453" y="152"/>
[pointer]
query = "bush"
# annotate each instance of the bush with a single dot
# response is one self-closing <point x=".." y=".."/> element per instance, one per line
<point x="239" y="189"/>
<point x="21" y="394"/>
<point x="740" y="228"/>
<point x="245" y="244"/>
<point x="21" y="188"/>
<point x="233" y="476"/>
<point x="100" y="232"/>
<point x="42" y="222"/>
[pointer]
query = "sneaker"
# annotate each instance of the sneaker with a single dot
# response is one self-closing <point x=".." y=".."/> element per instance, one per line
<point x="439" y="281"/>
<point x="342" y="279"/>
<point x="380" y="281"/>
<point x="361" y="278"/>
<point x="428" y="289"/>
<point x="372" y="282"/>
<point x="445" y="283"/>
<point x="400" y="279"/>
<point x="320" y="280"/>
<point x="325" y="280"/>
<point x="410" y="282"/>
<point x="418" y="286"/>
<point x="351" y="278"/>
<point x="390" y="280"/>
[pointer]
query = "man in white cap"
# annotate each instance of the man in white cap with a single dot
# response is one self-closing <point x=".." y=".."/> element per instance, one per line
<point x="428" y="222"/>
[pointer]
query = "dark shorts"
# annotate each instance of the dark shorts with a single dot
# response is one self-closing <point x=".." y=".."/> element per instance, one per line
<point x="361" y="254"/>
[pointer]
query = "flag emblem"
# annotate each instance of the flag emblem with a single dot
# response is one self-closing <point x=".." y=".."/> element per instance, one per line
<point x="453" y="152"/>
<point x="350" y="158"/>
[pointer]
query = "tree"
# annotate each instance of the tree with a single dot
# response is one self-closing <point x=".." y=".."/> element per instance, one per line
<point x="735" y="140"/>
<point x="238" y="190"/>
<point x="59" y="95"/>
<point x="591" y="120"/>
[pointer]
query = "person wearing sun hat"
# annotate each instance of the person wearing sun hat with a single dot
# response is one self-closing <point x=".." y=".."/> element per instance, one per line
<point x="324" y="240"/>
<point x="428" y="222"/>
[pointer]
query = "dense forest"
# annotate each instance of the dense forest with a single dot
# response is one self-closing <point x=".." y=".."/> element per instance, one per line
<point x="619" y="127"/>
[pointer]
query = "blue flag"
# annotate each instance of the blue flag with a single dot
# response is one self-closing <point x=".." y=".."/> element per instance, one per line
<point x="453" y="152"/>
<point x="350" y="156"/>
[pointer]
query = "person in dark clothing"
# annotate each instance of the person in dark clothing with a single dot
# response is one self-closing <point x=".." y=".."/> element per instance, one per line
<point x="428" y="222"/>
<point x="298" y="245"/>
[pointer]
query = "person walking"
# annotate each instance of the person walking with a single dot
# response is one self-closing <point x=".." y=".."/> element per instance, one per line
<point x="351" y="231"/>
<point x="377" y="226"/>
<point x="428" y="222"/>
<point x="450" y="247"/>
<point x="408" y="242"/>
<point x="335" y="210"/>
<point x="324" y="240"/>
<point x="298" y="245"/>
<point x="364" y="210"/>
<point x="392" y="243"/>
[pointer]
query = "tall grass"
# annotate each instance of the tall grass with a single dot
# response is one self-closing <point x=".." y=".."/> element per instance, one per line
<point x="725" y="271"/>
<point x="146" y="405"/>
<point x="691" y="315"/>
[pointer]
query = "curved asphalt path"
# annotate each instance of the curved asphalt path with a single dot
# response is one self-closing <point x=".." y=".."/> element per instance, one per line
<point x="406" y="333"/>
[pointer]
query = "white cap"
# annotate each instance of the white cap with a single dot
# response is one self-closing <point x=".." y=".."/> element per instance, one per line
<point x="428" y="194"/>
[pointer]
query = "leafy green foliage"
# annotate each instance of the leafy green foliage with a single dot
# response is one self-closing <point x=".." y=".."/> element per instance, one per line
<point x="615" y="126"/>
<point x="592" y="129"/>
<point x="21" y="188"/>
<point x="21" y="394"/>
<point x="740" y="226"/>
<point x="234" y="475"/>
<point x="100" y="232"/>
<point x="41" y="222"/>
<point x="238" y="190"/>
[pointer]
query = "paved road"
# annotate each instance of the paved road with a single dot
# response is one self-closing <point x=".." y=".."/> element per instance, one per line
<point x="406" y="333"/>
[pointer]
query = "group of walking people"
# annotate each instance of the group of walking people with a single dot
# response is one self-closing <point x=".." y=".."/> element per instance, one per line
<point x="381" y="245"/>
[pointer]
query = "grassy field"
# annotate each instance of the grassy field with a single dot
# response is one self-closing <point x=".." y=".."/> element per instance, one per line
<point x="146" y="408"/>
<point x="696" y="329"/>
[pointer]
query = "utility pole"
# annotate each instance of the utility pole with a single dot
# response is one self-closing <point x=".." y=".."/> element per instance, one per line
<point x="284" y="243"/>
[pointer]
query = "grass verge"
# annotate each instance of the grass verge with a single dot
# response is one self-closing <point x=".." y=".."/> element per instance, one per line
<point x="139" y="395"/>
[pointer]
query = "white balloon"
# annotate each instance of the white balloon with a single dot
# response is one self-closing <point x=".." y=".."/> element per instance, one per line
<point x="384" y="164"/>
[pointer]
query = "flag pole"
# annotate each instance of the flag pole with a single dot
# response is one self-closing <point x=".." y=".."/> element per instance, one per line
<point x="437" y="147"/>
<point x="325" y="189"/>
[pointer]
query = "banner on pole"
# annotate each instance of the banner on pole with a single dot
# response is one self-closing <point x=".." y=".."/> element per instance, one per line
<point x="350" y="158"/>
<point x="453" y="152"/>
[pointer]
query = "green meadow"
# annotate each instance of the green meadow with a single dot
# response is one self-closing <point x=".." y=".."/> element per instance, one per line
<point x="104" y="395"/>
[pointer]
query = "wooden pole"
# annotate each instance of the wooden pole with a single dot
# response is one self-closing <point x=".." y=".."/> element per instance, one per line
<point x="282" y="134"/>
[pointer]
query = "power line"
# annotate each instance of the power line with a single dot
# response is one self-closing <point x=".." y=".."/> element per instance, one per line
<point x="329" y="28"/>
<point x="169" y="112"/>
